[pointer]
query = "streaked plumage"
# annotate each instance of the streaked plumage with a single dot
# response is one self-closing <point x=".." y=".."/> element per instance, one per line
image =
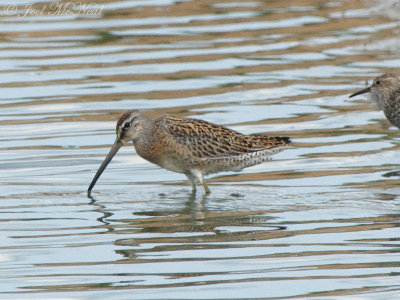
<point x="385" y="91"/>
<point x="190" y="146"/>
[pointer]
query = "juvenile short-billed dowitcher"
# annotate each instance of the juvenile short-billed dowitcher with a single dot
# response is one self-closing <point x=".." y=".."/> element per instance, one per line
<point x="385" y="91"/>
<point x="189" y="146"/>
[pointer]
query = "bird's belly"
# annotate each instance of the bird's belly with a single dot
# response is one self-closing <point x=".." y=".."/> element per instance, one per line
<point x="173" y="166"/>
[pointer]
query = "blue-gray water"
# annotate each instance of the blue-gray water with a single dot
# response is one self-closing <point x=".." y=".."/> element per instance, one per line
<point x="321" y="220"/>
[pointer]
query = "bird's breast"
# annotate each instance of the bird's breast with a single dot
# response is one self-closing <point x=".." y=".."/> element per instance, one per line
<point x="169" y="160"/>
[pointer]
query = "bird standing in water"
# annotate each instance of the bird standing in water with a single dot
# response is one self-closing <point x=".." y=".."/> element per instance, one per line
<point x="190" y="146"/>
<point x="385" y="91"/>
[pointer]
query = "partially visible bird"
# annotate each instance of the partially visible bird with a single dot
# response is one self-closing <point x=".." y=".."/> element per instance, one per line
<point x="190" y="146"/>
<point x="385" y="92"/>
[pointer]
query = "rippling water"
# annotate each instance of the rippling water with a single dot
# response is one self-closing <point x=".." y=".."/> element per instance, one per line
<point x="321" y="220"/>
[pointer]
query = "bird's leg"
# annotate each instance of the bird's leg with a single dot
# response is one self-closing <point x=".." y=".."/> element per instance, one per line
<point x="197" y="174"/>
<point x="207" y="190"/>
<point x="192" y="180"/>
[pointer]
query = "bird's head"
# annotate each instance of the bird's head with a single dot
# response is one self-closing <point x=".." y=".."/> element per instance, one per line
<point x="382" y="85"/>
<point x="130" y="127"/>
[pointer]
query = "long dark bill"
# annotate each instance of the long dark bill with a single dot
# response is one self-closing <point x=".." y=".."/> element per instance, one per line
<point x="363" y="91"/>
<point x="114" y="149"/>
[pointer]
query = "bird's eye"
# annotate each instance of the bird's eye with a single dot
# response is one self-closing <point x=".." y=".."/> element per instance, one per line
<point x="378" y="82"/>
<point x="127" y="125"/>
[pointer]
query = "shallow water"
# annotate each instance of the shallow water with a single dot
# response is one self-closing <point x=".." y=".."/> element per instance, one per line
<point x="320" y="220"/>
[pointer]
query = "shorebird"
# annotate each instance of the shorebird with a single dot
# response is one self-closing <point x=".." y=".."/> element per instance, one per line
<point x="190" y="146"/>
<point x="385" y="92"/>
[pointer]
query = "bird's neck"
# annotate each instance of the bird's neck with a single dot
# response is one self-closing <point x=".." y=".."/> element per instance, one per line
<point x="145" y="141"/>
<point x="384" y="98"/>
<point x="391" y="107"/>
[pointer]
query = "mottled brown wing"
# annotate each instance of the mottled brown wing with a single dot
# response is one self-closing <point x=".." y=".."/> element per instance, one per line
<point x="207" y="140"/>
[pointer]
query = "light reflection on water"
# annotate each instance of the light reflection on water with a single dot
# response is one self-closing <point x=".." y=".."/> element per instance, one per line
<point x="319" y="220"/>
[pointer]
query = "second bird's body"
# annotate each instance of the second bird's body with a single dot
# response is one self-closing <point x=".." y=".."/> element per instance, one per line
<point x="190" y="146"/>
